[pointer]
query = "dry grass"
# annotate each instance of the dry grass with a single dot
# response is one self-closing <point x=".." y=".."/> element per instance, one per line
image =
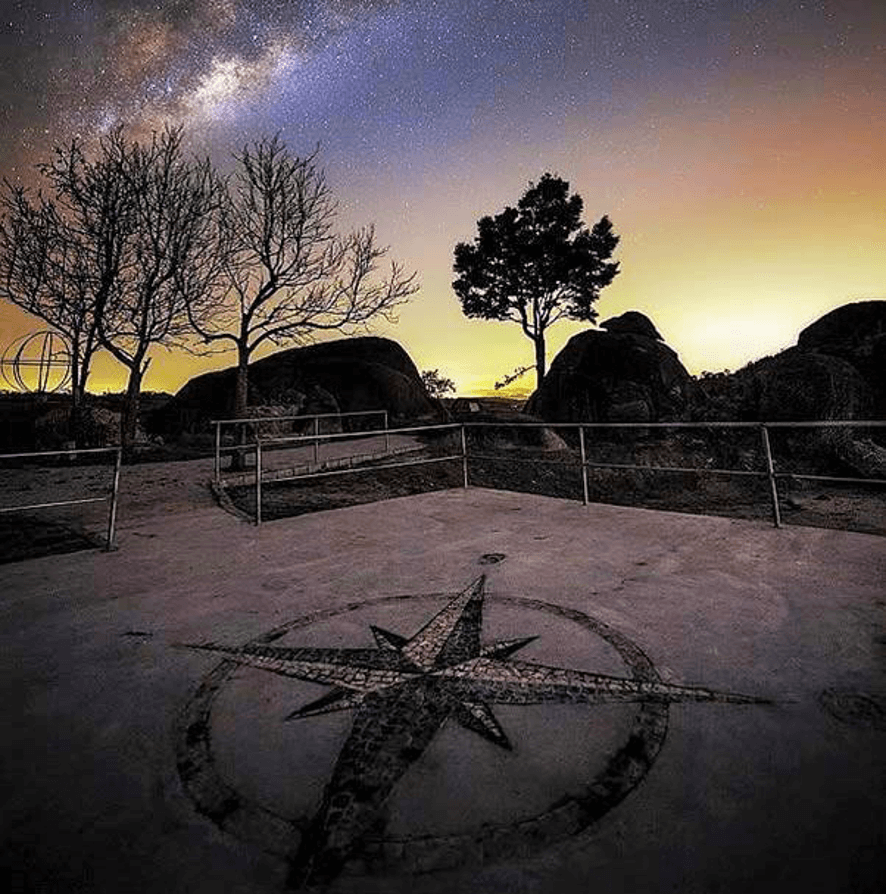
<point x="557" y="474"/>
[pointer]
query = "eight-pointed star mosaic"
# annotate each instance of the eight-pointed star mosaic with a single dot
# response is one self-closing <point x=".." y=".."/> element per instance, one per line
<point x="404" y="690"/>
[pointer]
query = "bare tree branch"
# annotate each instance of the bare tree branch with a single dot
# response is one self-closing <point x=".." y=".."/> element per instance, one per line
<point x="121" y="256"/>
<point x="286" y="273"/>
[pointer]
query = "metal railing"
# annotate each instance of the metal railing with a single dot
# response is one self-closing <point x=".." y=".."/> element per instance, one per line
<point x="768" y="473"/>
<point x="262" y="444"/>
<point x="112" y="498"/>
<point x="314" y="438"/>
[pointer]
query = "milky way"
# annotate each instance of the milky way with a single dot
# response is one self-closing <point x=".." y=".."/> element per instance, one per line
<point x="82" y="68"/>
<point x="759" y="120"/>
<point x="360" y="69"/>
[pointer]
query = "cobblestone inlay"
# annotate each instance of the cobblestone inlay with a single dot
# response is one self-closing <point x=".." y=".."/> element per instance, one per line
<point x="401" y="694"/>
<point x="854" y="708"/>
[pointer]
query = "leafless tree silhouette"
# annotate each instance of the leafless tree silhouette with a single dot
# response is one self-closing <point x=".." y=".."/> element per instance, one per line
<point x="121" y="256"/>
<point x="58" y="258"/>
<point x="287" y="275"/>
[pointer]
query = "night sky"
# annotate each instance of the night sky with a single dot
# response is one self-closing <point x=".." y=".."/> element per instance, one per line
<point x="739" y="147"/>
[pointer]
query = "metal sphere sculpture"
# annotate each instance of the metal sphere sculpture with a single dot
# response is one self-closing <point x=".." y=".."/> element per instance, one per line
<point x="37" y="363"/>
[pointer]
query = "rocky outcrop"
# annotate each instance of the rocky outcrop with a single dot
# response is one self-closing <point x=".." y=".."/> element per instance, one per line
<point x="347" y="375"/>
<point x="97" y="427"/>
<point x="508" y="429"/>
<point x="632" y="322"/>
<point x="863" y="456"/>
<point x="855" y="333"/>
<point x="625" y="374"/>
<point x="796" y="385"/>
<point x="837" y="370"/>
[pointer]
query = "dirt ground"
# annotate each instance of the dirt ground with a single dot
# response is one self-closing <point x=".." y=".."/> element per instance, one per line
<point x="160" y="488"/>
<point x="815" y="504"/>
<point x="146" y="490"/>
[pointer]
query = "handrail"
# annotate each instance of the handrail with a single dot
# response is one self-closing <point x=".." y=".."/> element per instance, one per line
<point x="768" y="473"/>
<point x="838" y="423"/>
<point x="298" y="416"/>
<point x="346" y="435"/>
<point x="71" y="452"/>
<point x="311" y="417"/>
<point x="112" y="499"/>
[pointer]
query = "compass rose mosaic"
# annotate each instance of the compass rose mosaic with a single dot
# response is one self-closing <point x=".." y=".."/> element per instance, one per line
<point x="344" y="754"/>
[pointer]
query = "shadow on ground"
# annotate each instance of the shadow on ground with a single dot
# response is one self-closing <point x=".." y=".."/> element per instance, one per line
<point x="34" y="535"/>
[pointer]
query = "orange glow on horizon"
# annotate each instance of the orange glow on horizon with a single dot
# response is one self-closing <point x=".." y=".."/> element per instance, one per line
<point x="740" y="225"/>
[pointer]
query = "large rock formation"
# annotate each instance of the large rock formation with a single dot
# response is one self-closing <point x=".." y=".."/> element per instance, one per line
<point x="790" y="386"/>
<point x="624" y="374"/>
<point x="855" y="333"/>
<point x="633" y="323"/>
<point x="349" y="375"/>
<point x="837" y="370"/>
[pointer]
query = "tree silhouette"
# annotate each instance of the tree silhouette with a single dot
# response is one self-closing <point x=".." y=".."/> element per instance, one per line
<point x="436" y="384"/>
<point x="48" y="269"/>
<point x="536" y="264"/>
<point x="115" y="254"/>
<point x="286" y="273"/>
<point x="169" y="254"/>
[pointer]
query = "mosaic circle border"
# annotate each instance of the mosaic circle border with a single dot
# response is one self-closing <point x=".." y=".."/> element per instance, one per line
<point x="255" y="824"/>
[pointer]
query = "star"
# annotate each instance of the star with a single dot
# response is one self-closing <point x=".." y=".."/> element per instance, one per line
<point x="404" y="690"/>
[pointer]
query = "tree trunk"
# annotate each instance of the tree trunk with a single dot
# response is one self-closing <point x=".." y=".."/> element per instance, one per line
<point x="241" y="407"/>
<point x="241" y="388"/>
<point x="129" y="421"/>
<point x="539" y="358"/>
<point x="76" y="390"/>
<point x="76" y="399"/>
<point x="79" y="375"/>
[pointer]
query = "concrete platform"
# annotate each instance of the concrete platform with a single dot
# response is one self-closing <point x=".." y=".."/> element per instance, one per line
<point x="701" y="707"/>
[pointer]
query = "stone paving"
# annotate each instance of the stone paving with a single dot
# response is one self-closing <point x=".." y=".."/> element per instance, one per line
<point x="403" y="692"/>
<point x="462" y="691"/>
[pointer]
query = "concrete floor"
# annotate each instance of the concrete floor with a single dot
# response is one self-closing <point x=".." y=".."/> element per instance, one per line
<point x="130" y="763"/>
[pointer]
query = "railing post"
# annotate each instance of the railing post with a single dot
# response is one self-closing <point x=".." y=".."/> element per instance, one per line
<point x="316" y="440"/>
<point x="115" y="493"/>
<point x="257" y="478"/>
<point x="217" y="451"/>
<point x="770" y="471"/>
<point x="387" y="436"/>
<point x="584" y="464"/>
<point x="464" y="457"/>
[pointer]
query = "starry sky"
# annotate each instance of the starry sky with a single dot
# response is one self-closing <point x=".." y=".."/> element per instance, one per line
<point x="739" y="146"/>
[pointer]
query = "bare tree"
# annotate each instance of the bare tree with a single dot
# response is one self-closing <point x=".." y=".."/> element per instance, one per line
<point x="170" y="259"/>
<point x="59" y="256"/>
<point x="286" y="274"/>
<point x="121" y="256"/>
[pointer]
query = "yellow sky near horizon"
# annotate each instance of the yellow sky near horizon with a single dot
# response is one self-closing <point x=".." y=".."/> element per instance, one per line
<point x="739" y="227"/>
